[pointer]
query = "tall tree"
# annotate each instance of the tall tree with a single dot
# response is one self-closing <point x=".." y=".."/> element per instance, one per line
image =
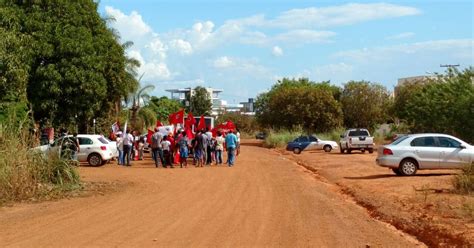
<point x="164" y="106"/>
<point x="365" y="104"/>
<point x="295" y="103"/>
<point x="77" y="69"/>
<point x="201" y="103"/>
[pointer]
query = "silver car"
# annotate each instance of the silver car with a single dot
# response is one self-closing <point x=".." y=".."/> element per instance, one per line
<point x="415" y="152"/>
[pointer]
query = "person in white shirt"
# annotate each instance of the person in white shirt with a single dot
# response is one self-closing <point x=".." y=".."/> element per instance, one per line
<point x="238" y="142"/>
<point x="166" y="146"/>
<point x="220" y="140"/>
<point x="127" y="147"/>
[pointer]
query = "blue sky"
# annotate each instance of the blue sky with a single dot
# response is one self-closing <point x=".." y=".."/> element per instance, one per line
<point x="244" y="47"/>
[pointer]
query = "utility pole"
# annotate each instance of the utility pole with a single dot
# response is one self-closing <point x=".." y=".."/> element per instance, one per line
<point x="449" y="65"/>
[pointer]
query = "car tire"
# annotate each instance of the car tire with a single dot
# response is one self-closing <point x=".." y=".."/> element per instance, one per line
<point x="408" y="167"/>
<point x="94" y="160"/>
<point x="371" y="150"/>
<point x="340" y="148"/>
<point x="349" y="151"/>
<point x="397" y="172"/>
<point x="363" y="151"/>
<point x="296" y="150"/>
<point x="327" y="148"/>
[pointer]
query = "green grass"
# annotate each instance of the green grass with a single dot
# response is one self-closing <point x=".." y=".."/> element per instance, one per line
<point x="464" y="182"/>
<point x="26" y="174"/>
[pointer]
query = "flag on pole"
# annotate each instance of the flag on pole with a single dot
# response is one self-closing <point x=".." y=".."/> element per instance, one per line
<point x="202" y="123"/>
<point x="158" y="123"/>
<point x="177" y="118"/>
<point x="190" y="121"/>
<point x="115" y="127"/>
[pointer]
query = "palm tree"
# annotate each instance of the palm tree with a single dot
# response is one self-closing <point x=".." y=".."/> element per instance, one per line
<point x="137" y="99"/>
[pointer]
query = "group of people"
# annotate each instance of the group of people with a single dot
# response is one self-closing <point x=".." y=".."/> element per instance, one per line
<point x="169" y="149"/>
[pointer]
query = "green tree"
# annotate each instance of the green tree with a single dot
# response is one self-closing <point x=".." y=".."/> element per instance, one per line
<point x="164" y="106"/>
<point x="365" y="104"/>
<point x="295" y="103"/>
<point x="245" y="123"/>
<point x="444" y="104"/>
<point x="75" y="67"/>
<point x="200" y="103"/>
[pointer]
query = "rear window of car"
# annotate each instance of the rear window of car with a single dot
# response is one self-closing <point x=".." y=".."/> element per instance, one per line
<point x="103" y="141"/>
<point x="358" y="133"/>
<point x="423" y="141"/>
<point x="85" y="141"/>
<point x="397" y="141"/>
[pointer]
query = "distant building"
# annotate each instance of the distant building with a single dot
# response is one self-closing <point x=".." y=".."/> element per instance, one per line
<point x="184" y="94"/>
<point x="248" y="107"/>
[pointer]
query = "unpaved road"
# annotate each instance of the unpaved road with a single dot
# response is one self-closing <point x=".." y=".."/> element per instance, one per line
<point x="265" y="200"/>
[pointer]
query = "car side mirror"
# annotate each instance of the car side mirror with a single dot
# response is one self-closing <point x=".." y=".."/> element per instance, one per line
<point x="462" y="146"/>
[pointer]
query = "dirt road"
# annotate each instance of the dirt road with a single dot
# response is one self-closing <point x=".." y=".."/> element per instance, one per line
<point x="265" y="200"/>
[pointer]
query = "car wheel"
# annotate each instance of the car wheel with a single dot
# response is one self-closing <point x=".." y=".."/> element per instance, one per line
<point x="327" y="148"/>
<point x="94" y="160"/>
<point x="408" y="167"/>
<point x="371" y="150"/>
<point x="363" y="151"/>
<point x="340" y="148"/>
<point x="349" y="151"/>
<point x="296" y="150"/>
<point x="397" y="171"/>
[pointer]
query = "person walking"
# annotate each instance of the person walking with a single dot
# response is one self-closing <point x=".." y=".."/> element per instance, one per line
<point x="237" y="149"/>
<point x="199" y="148"/>
<point x="141" y="147"/>
<point x="166" y="146"/>
<point x="183" y="144"/>
<point x="156" y="147"/>
<point x="127" y="147"/>
<point x="208" y="137"/>
<point x="172" y="147"/>
<point x="219" y="147"/>
<point x="231" y="143"/>
<point x="75" y="149"/>
<point x="119" y="143"/>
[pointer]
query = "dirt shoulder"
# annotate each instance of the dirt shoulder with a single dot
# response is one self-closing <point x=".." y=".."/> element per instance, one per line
<point x="421" y="205"/>
<point x="265" y="200"/>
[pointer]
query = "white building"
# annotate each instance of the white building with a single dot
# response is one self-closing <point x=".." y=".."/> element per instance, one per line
<point x="186" y="93"/>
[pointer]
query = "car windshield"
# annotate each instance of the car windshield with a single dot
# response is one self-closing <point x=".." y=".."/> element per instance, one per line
<point x="400" y="139"/>
<point x="101" y="139"/>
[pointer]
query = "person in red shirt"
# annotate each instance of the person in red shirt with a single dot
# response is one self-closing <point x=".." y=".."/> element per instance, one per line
<point x="172" y="147"/>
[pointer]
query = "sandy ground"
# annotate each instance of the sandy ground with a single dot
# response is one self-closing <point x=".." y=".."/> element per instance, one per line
<point x="422" y="205"/>
<point x="266" y="200"/>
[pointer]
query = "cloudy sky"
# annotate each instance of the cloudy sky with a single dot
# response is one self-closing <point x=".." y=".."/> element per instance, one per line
<point x="244" y="46"/>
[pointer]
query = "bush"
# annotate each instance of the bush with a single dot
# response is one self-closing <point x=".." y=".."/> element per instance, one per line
<point x="26" y="174"/>
<point x="280" y="138"/>
<point x="464" y="182"/>
<point x="333" y="135"/>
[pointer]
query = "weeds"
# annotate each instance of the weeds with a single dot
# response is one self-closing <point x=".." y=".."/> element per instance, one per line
<point x="26" y="173"/>
<point x="279" y="138"/>
<point x="464" y="182"/>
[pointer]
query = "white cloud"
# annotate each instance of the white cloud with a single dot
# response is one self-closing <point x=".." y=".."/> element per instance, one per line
<point x="223" y="62"/>
<point x="400" y="36"/>
<point x="182" y="46"/>
<point x="304" y="36"/>
<point x="155" y="71"/>
<point x="457" y="48"/>
<point x="130" y="26"/>
<point x="158" y="47"/>
<point x="277" y="51"/>
<point x="324" y="17"/>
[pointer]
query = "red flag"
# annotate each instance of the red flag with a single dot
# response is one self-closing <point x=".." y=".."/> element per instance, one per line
<point x="190" y="121"/>
<point x="177" y="117"/>
<point x="158" y="123"/>
<point x="189" y="133"/>
<point x="148" y="137"/>
<point x="202" y="123"/>
<point x="230" y="125"/>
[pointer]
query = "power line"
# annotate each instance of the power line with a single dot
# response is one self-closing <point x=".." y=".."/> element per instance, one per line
<point x="449" y="65"/>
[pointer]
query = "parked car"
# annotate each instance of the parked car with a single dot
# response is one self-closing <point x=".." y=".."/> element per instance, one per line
<point x="304" y="143"/>
<point x="94" y="149"/>
<point x="113" y="147"/>
<point x="356" y="139"/>
<point x="261" y="135"/>
<point x="415" y="152"/>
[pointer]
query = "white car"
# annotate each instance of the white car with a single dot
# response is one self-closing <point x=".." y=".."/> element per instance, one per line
<point x="415" y="152"/>
<point x="94" y="149"/>
<point x="306" y="143"/>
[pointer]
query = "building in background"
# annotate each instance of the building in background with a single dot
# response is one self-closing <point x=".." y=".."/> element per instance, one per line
<point x="248" y="107"/>
<point x="184" y="94"/>
<point x="412" y="80"/>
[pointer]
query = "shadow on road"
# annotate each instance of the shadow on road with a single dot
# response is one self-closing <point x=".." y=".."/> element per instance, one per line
<point x="390" y="175"/>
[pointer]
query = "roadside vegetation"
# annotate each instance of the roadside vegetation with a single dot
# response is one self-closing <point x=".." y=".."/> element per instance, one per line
<point x="464" y="182"/>
<point x="27" y="175"/>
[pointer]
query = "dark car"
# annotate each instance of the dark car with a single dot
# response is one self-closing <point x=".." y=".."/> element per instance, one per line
<point x="261" y="135"/>
<point x="309" y="142"/>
